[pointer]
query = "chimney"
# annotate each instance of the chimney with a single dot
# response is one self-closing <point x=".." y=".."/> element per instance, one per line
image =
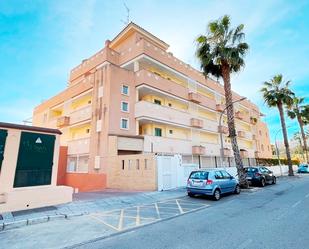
<point x="107" y="42"/>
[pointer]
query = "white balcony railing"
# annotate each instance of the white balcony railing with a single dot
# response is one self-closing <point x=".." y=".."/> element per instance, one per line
<point x="79" y="146"/>
<point x="81" y="114"/>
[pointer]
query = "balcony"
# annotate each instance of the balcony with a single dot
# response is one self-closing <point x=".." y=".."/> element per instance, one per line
<point x="241" y="134"/>
<point x="239" y="115"/>
<point x="80" y="115"/>
<point x="63" y="121"/>
<point x="219" y="107"/>
<point x="198" y="150"/>
<point x="145" y="109"/>
<point x="194" y="97"/>
<point x="197" y="123"/>
<point x="167" y="145"/>
<point x="244" y="154"/>
<point x="223" y="129"/>
<point x="79" y="146"/>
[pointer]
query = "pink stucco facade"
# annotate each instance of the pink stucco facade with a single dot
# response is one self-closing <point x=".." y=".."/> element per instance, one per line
<point x="138" y="91"/>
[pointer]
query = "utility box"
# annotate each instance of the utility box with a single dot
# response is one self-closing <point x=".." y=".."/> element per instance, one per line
<point x="28" y="168"/>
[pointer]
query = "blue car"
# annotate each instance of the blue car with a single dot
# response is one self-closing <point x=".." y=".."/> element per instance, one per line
<point x="211" y="183"/>
<point x="303" y="168"/>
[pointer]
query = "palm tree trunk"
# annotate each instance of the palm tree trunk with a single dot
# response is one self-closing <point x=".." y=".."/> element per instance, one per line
<point x="301" y="125"/>
<point x="285" y="138"/>
<point x="231" y="125"/>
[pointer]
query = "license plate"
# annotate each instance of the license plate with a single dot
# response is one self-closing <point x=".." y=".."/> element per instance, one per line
<point x="249" y="178"/>
<point x="197" y="184"/>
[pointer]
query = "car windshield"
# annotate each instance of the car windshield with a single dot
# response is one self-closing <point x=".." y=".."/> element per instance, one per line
<point x="200" y="175"/>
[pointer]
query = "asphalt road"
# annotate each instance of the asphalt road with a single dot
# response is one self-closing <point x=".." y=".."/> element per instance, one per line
<point x="273" y="217"/>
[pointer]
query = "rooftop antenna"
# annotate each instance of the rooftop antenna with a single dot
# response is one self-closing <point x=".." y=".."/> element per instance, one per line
<point x="128" y="15"/>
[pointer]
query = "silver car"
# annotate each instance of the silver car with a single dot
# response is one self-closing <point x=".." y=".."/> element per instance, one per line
<point x="212" y="183"/>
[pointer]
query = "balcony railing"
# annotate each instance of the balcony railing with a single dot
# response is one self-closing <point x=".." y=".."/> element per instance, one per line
<point x="79" y="146"/>
<point x="80" y="115"/>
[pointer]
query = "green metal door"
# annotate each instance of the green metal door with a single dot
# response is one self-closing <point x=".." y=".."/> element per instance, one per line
<point x="3" y="135"/>
<point x="35" y="160"/>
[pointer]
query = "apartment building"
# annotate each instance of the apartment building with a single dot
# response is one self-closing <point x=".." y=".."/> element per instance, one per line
<point x="134" y="98"/>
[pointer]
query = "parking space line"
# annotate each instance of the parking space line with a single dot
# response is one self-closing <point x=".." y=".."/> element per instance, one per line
<point x="101" y="221"/>
<point x="120" y="224"/>
<point x="296" y="204"/>
<point x="138" y="218"/>
<point x="157" y="209"/>
<point x="179" y="207"/>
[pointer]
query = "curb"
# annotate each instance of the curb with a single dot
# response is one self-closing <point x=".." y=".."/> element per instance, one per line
<point x="38" y="220"/>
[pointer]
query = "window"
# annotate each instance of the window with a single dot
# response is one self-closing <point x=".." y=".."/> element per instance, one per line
<point x="124" y="106"/>
<point x="157" y="102"/>
<point x="262" y="146"/>
<point x="87" y="130"/>
<point x="125" y="90"/>
<point x="124" y="124"/>
<point x="158" y="132"/>
<point x="226" y="175"/>
<point x="170" y="131"/>
<point x="260" y="132"/>
<point x="199" y="175"/>
<point x="218" y="175"/>
<point x="137" y="164"/>
<point x="78" y="164"/>
<point x="122" y="164"/>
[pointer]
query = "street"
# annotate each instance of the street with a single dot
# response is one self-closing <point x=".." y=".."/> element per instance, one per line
<point x="274" y="217"/>
<point x="271" y="217"/>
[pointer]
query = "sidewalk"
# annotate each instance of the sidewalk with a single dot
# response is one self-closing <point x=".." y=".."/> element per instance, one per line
<point x="85" y="203"/>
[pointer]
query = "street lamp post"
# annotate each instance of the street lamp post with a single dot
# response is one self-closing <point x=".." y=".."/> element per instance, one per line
<point x="277" y="149"/>
<point x="220" y="131"/>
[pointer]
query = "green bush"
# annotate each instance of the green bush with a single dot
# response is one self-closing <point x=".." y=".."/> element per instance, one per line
<point x="273" y="162"/>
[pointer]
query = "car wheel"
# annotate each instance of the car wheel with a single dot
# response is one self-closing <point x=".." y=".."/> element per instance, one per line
<point x="190" y="194"/>
<point x="274" y="180"/>
<point x="217" y="195"/>
<point x="237" y="190"/>
<point x="263" y="182"/>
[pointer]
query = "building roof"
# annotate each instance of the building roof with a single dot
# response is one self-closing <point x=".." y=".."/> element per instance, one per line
<point x="29" y="128"/>
<point x="130" y="28"/>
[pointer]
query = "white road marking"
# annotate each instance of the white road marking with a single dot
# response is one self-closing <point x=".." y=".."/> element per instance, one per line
<point x="179" y="207"/>
<point x="157" y="209"/>
<point x="138" y="218"/>
<point x="120" y="224"/>
<point x="296" y="204"/>
<point x="245" y="244"/>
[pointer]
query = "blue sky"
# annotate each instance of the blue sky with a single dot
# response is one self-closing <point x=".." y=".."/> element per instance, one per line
<point x="40" y="41"/>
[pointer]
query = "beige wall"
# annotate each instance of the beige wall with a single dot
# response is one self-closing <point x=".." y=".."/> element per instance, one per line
<point x="28" y="197"/>
<point x="263" y="141"/>
<point x="132" y="176"/>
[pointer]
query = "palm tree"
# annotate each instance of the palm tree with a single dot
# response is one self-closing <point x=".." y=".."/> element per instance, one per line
<point x="276" y="93"/>
<point x="299" y="111"/>
<point x="297" y="137"/>
<point x="221" y="52"/>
